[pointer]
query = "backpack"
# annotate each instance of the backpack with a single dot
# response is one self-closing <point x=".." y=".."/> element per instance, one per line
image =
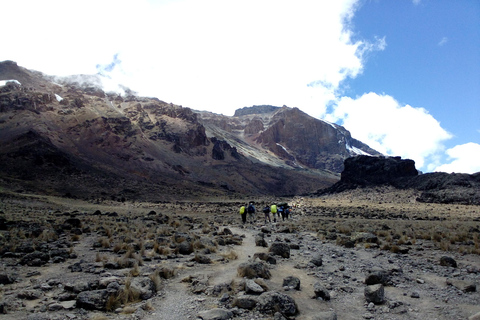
<point x="242" y="209"/>
<point x="251" y="208"/>
<point x="273" y="208"/>
<point x="266" y="209"/>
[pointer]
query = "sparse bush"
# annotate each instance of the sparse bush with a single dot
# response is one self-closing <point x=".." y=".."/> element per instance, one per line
<point x="157" y="280"/>
<point x="135" y="271"/>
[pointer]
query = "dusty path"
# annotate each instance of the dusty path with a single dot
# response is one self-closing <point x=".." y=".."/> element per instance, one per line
<point x="179" y="303"/>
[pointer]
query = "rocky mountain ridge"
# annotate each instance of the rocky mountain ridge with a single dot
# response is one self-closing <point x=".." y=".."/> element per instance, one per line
<point x="69" y="137"/>
<point x="286" y="137"/>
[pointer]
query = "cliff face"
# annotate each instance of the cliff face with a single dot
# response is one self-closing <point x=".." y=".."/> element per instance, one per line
<point x="64" y="137"/>
<point x="437" y="187"/>
<point x="296" y="139"/>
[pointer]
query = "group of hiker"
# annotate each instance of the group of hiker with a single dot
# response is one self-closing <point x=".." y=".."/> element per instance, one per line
<point x="282" y="210"/>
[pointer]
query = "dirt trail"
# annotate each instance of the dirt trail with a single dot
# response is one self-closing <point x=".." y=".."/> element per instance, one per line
<point x="179" y="303"/>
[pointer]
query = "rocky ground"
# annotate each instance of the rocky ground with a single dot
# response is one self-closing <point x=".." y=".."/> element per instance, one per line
<point x="362" y="254"/>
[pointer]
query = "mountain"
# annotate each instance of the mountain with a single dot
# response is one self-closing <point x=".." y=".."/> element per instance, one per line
<point x="285" y="137"/>
<point x="66" y="136"/>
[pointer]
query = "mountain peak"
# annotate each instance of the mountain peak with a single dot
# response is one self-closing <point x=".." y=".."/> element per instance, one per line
<point x="260" y="109"/>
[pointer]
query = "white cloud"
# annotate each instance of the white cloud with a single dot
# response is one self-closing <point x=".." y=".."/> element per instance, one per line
<point x="391" y="128"/>
<point x="221" y="55"/>
<point x="443" y="41"/>
<point x="464" y="159"/>
<point x="210" y="55"/>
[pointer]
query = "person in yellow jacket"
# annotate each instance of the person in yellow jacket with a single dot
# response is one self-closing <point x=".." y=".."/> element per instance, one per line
<point x="273" y="210"/>
<point x="243" y="213"/>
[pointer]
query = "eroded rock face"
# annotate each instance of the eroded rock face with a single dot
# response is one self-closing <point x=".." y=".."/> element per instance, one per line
<point x="365" y="170"/>
<point x="437" y="187"/>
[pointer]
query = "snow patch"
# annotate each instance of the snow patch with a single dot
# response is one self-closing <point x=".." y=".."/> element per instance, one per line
<point x="295" y="162"/>
<point x="58" y="97"/>
<point x="4" y="82"/>
<point x="357" y="151"/>
<point x="278" y="144"/>
<point x="333" y="125"/>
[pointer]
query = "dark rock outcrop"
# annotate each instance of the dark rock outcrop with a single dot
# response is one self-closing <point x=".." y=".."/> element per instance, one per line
<point x="366" y="170"/>
<point x="438" y="187"/>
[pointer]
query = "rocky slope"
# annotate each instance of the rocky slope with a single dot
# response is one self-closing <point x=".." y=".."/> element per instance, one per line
<point x="369" y="254"/>
<point x="286" y="137"/>
<point x="69" y="137"/>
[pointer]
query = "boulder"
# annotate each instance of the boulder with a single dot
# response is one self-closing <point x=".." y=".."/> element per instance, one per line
<point x="463" y="285"/>
<point x="260" y="241"/>
<point x="6" y="278"/>
<point x="291" y="283"/>
<point x="185" y="248"/>
<point x="273" y="301"/>
<point x="448" y="262"/>
<point x="377" y="276"/>
<point x="317" y="260"/>
<point x="320" y="291"/>
<point x="35" y="259"/>
<point x="144" y="286"/>
<point x="265" y="257"/>
<point x="92" y="300"/>
<point x="280" y="249"/>
<point x="375" y="294"/>
<point x="251" y="270"/>
<point x="202" y="259"/>
<point x="252" y="287"/>
<point x="243" y="301"/>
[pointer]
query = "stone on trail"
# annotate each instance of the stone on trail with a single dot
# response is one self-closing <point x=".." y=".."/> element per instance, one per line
<point x="265" y="257"/>
<point x="320" y="291"/>
<point x="273" y="301"/>
<point x="92" y="300"/>
<point x="377" y="276"/>
<point x="244" y="301"/>
<point x="252" y="270"/>
<point x="252" y="287"/>
<point x="144" y="286"/>
<point x="375" y="294"/>
<point x="215" y="314"/>
<point x="260" y="241"/>
<point x="317" y="260"/>
<point x="291" y="282"/>
<point x="448" y="262"/>
<point x="280" y="249"/>
<point x="463" y="285"/>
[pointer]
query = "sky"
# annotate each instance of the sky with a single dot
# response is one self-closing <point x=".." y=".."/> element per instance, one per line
<point x="403" y="76"/>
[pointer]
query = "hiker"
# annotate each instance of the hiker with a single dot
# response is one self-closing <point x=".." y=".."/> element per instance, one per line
<point x="273" y="210"/>
<point x="286" y="213"/>
<point x="280" y="212"/>
<point x="251" y="212"/>
<point x="266" y="211"/>
<point x="243" y="213"/>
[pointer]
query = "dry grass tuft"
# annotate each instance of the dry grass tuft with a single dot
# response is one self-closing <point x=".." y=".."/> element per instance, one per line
<point x="230" y="255"/>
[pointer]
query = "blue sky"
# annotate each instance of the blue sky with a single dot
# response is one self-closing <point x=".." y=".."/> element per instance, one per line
<point x="400" y="75"/>
<point x="432" y="59"/>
